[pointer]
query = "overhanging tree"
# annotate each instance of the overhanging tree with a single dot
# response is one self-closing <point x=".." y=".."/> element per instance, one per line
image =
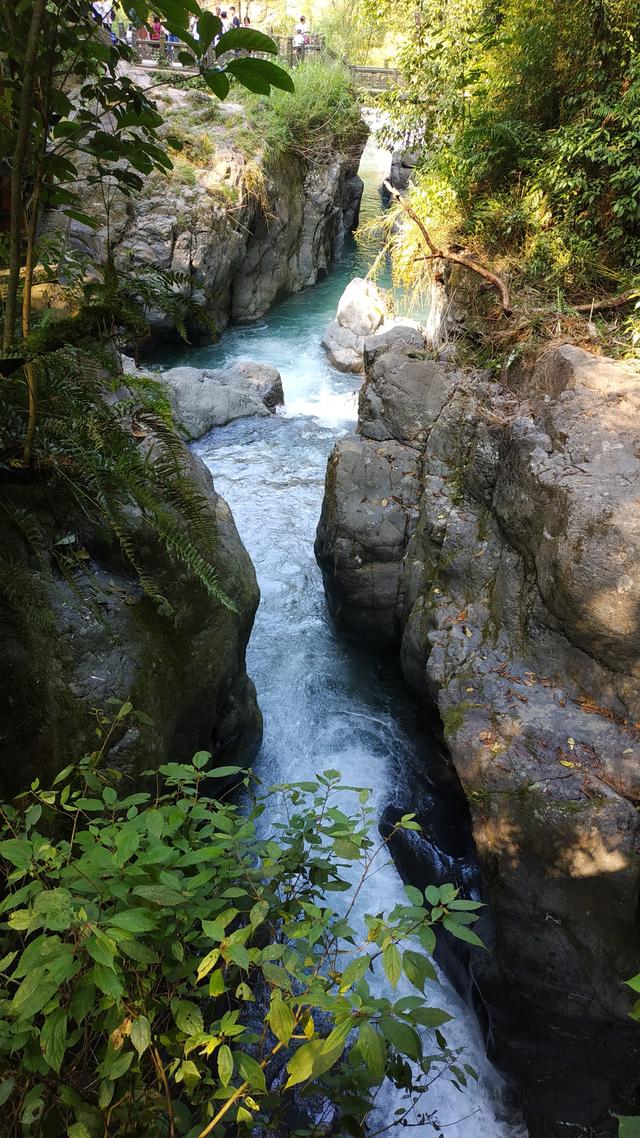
<point x="66" y="103"/>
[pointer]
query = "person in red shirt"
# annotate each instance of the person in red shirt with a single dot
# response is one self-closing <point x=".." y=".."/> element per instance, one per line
<point x="156" y="28"/>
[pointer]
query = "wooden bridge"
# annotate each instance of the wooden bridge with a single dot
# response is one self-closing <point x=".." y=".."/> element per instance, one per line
<point x="164" y="53"/>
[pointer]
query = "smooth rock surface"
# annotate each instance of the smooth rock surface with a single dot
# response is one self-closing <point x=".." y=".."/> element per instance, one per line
<point x="508" y="579"/>
<point x="363" y="309"/>
<point x="204" y="398"/>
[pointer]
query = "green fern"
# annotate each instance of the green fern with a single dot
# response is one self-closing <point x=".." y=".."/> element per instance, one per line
<point x="113" y="451"/>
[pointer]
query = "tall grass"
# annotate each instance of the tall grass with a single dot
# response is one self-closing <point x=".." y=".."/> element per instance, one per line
<point x="322" y="115"/>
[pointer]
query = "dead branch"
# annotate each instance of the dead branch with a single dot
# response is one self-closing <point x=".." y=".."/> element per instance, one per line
<point x="594" y="306"/>
<point x="454" y="258"/>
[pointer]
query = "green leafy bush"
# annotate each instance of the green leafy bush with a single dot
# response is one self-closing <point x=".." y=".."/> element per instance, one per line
<point x="169" y="966"/>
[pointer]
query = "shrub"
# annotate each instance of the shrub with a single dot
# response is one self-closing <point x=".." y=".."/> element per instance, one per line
<point x="170" y="966"/>
<point x="320" y="117"/>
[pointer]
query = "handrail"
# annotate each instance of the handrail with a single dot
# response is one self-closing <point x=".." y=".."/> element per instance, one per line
<point x="164" y="49"/>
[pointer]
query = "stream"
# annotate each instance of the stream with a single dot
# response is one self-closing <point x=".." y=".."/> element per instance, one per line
<point x="327" y="703"/>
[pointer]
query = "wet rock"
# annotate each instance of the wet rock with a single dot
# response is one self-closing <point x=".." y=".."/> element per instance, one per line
<point x="403" y="163"/>
<point x="512" y="598"/>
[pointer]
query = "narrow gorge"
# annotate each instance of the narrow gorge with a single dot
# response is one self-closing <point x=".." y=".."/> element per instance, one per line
<point x="319" y="578"/>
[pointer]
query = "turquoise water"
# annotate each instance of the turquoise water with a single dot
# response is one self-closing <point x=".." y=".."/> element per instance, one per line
<point x="325" y="702"/>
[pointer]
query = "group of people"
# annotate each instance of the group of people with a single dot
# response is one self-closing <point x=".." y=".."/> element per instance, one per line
<point x="228" y="18"/>
<point x="104" y="12"/>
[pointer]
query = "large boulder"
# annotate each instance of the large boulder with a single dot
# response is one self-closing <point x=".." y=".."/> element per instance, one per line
<point x="363" y="309"/>
<point x="204" y="398"/>
<point x="80" y="645"/>
<point x="508" y="580"/>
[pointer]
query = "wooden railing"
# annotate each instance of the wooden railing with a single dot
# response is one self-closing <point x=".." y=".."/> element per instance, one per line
<point x="373" y="78"/>
<point x="164" y="52"/>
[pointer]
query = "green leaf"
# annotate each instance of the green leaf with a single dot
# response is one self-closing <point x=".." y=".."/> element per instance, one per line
<point x="414" y="895"/>
<point x="462" y="932"/>
<point x="209" y="26"/>
<point x="120" y="1065"/>
<point x="273" y="974"/>
<point x="217" y="82"/>
<point x="401" y="1036"/>
<point x="354" y="971"/>
<point x="281" y="1018"/>
<point x="200" y="759"/>
<point x="6" y="1090"/>
<point x="18" y="851"/>
<point x="245" y="39"/>
<point x="127" y="843"/>
<point x="214" y="930"/>
<point x="209" y="962"/>
<point x="188" y="1017"/>
<point x="430" y="1017"/>
<point x="78" y="1130"/>
<point x="239" y="955"/>
<point x="224" y="772"/>
<point x="107" y="981"/>
<point x="300" y="1065"/>
<point x="259" y="75"/>
<point x="347" y="850"/>
<point x="258" y="913"/>
<point x="628" y="1125"/>
<point x="225" y="1064"/>
<point x="418" y="969"/>
<point x="251" y="1071"/>
<point x="82" y="1000"/>
<point x="140" y="1034"/>
<point x="216" y="983"/>
<point x="53" y="1038"/>
<point x="33" y="994"/>
<point x="432" y="893"/>
<point x="337" y="1037"/>
<point x="160" y="895"/>
<point x="134" y="920"/>
<point x="373" y="1049"/>
<point x="392" y="962"/>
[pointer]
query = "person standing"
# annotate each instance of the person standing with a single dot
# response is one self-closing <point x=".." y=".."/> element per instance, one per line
<point x="234" y="19"/>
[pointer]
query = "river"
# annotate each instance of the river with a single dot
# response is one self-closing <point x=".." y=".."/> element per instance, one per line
<point x="325" y="702"/>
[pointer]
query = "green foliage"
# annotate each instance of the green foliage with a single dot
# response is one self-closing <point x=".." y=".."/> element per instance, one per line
<point x="167" y="966"/>
<point x="527" y="116"/>
<point x="107" y="447"/>
<point x="322" y="115"/>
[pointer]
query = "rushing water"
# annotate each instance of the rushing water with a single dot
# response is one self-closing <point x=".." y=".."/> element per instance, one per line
<point x="326" y="703"/>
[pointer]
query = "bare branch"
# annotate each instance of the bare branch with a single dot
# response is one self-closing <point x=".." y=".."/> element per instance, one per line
<point x="454" y="258"/>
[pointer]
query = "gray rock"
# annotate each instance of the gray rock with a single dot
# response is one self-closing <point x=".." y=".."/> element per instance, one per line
<point x="204" y="398"/>
<point x="363" y="309"/>
<point x="344" y="348"/>
<point x="512" y="592"/>
<point x="185" y="672"/>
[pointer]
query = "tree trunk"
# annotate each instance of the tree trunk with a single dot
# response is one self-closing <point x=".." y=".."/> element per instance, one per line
<point x="18" y="170"/>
